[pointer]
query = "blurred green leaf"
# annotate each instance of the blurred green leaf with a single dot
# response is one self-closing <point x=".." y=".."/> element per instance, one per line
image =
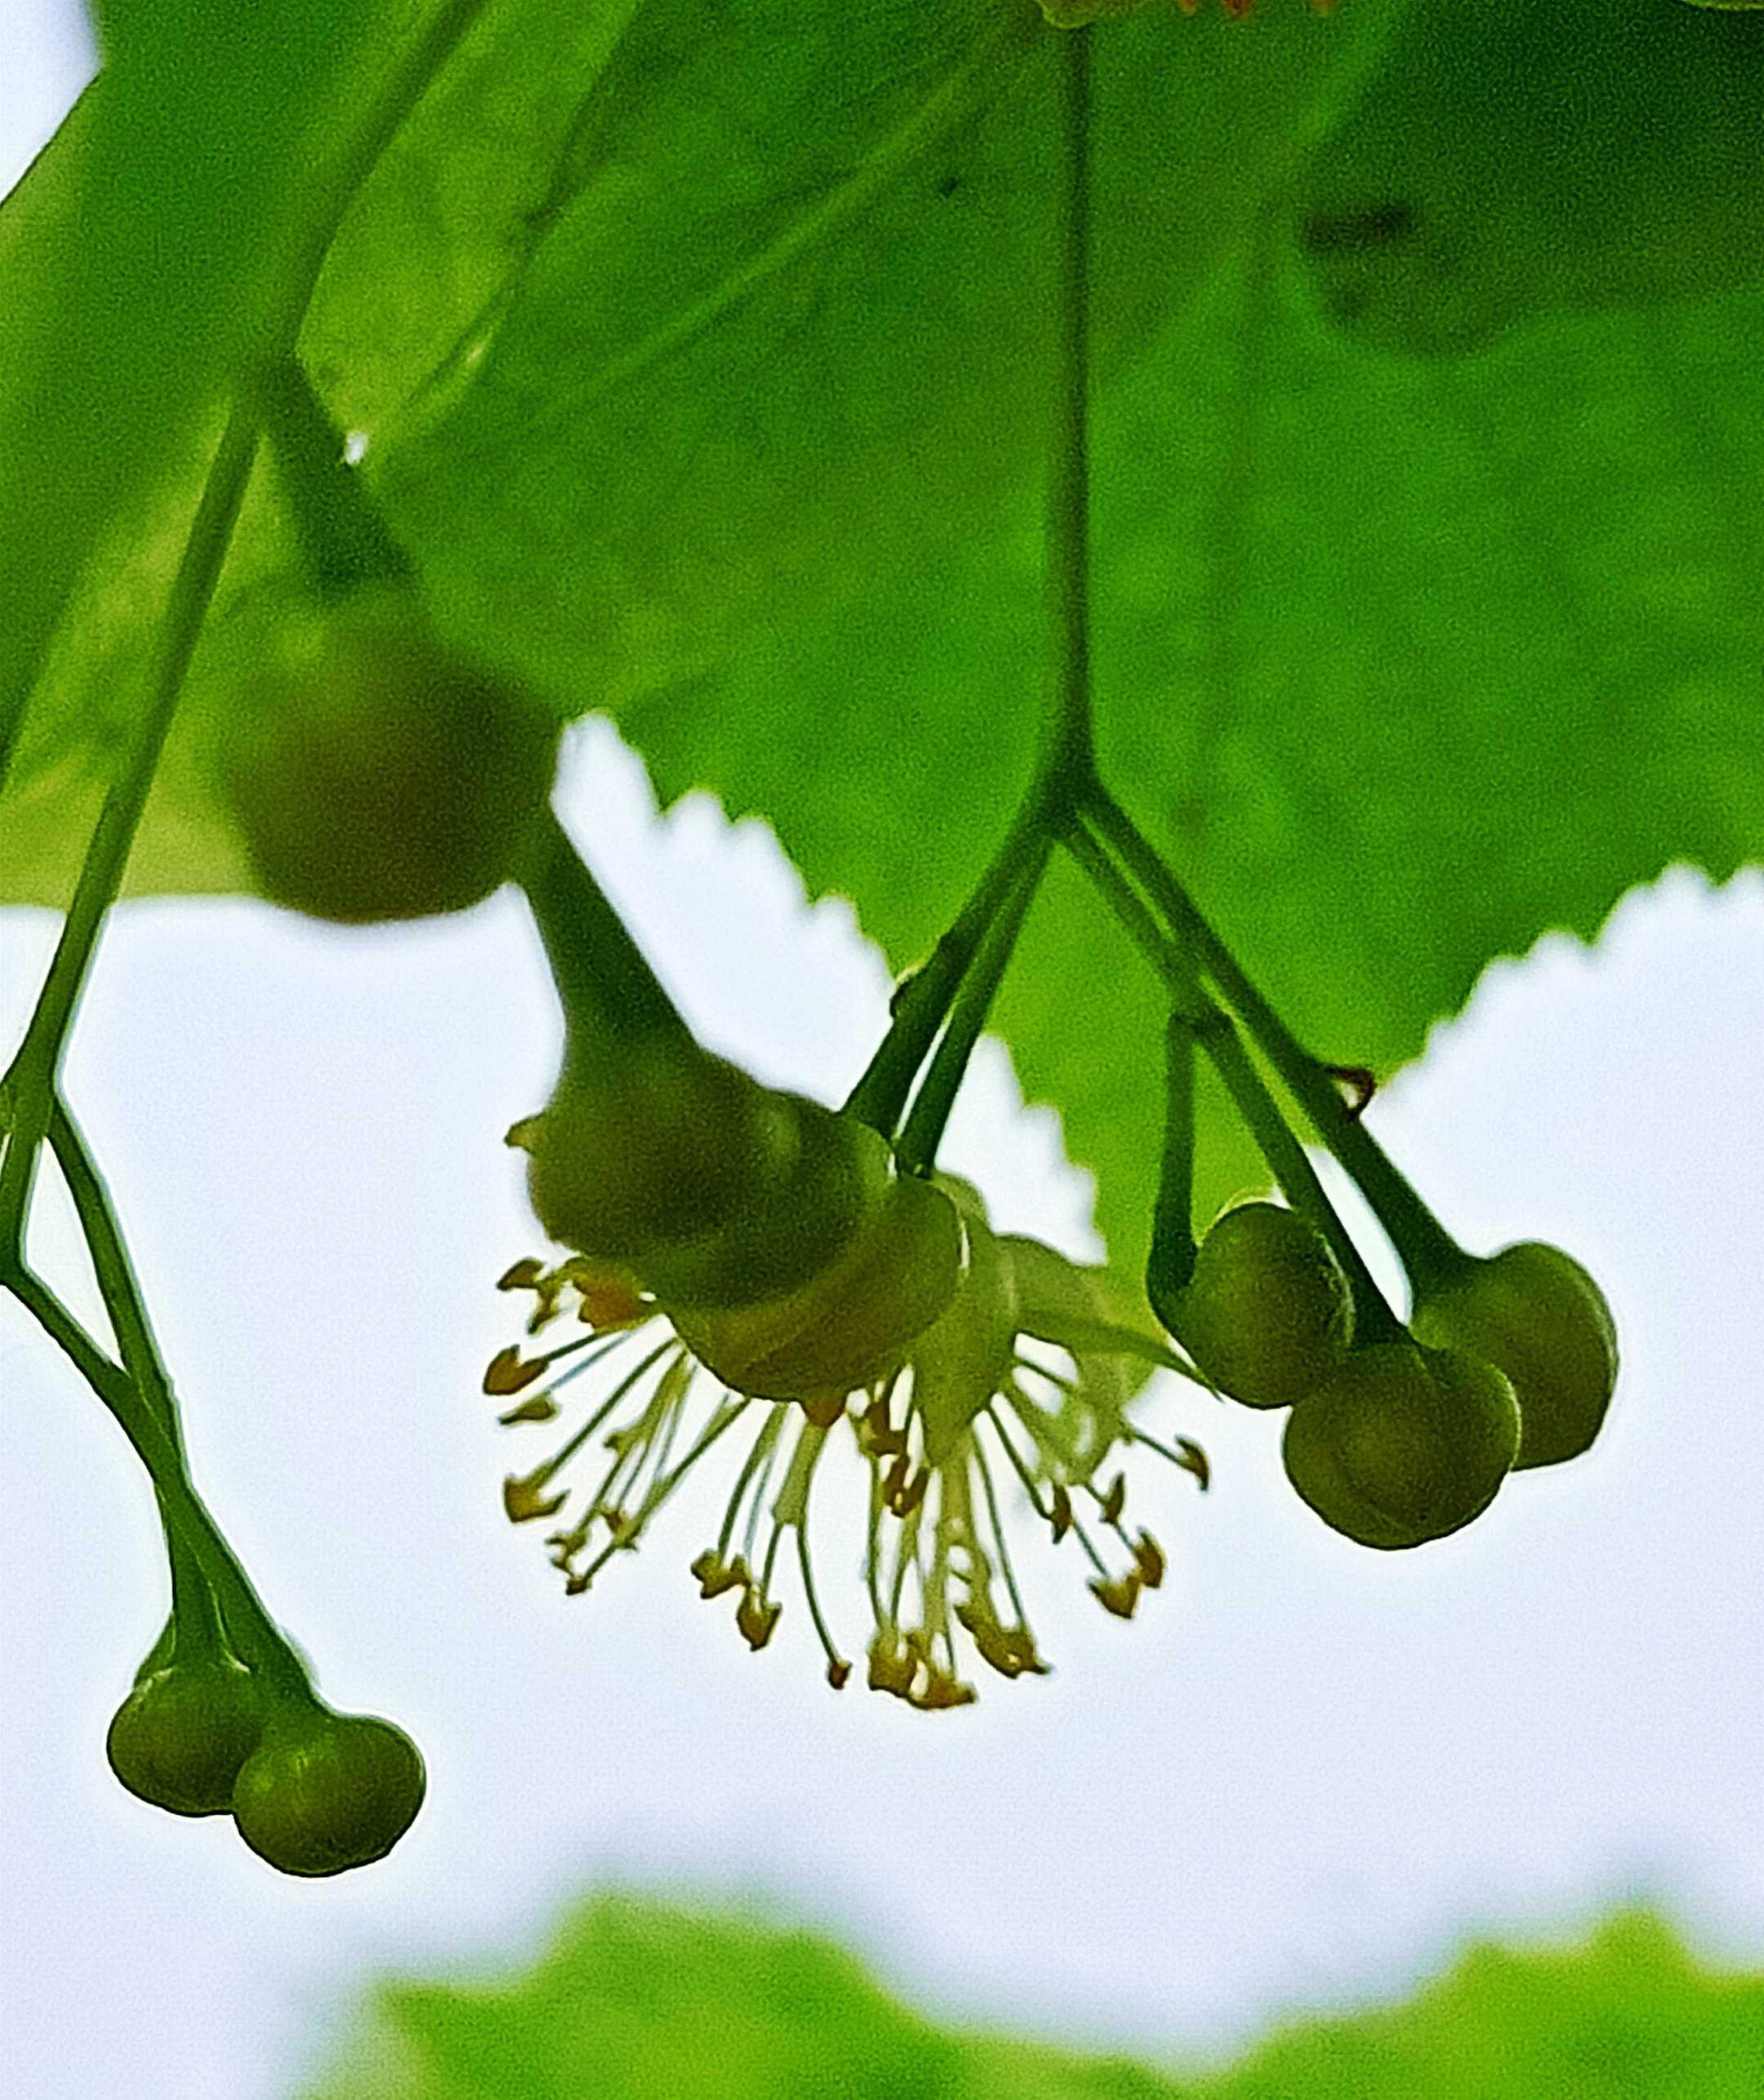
<point x="1629" y="2016"/>
<point x="637" y="2001"/>
<point x="141" y="253"/>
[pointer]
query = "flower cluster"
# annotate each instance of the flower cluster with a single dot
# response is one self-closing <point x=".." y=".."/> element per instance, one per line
<point x="1017" y="1392"/>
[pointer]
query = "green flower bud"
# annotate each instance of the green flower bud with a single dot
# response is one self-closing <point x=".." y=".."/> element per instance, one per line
<point x="1266" y="1315"/>
<point x="1403" y="1443"/>
<point x="708" y="1188"/>
<point x="852" y="1323"/>
<point x="375" y="773"/>
<point x="182" y="1734"/>
<point x="325" y="1791"/>
<point x="1534" y="1311"/>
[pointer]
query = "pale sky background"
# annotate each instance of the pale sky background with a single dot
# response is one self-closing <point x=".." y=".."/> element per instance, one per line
<point x="1299" y="1778"/>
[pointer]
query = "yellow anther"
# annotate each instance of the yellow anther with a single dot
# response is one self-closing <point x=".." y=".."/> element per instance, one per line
<point x="892" y="1668"/>
<point x="1062" y="1501"/>
<point x="715" y="1576"/>
<point x="1118" y="1596"/>
<point x="822" y="1409"/>
<point x="565" y="1546"/>
<point x="540" y="1408"/>
<point x="1010" y="1650"/>
<point x="507" y="1374"/>
<point x="881" y="1438"/>
<point x="942" y="1692"/>
<point x="523" y="1500"/>
<point x="1193" y="1460"/>
<point x="756" y="1620"/>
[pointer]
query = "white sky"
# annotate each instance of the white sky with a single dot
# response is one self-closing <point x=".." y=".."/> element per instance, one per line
<point x="1299" y="1776"/>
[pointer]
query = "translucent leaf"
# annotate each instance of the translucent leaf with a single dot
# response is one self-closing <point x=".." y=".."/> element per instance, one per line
<point x="699" y="355"/>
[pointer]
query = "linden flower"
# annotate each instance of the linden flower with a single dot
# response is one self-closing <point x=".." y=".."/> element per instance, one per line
<point x="1027" y="1373"/>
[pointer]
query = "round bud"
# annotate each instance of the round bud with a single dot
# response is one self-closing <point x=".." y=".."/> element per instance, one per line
<point x="376" y="773"/>
<point x="656" y="1154"/>
<point x="853" y="1323"/>
<point x="708" y="1188"/>
<point x="1266" y="1315"/>
<point x="1403" y="1443"/>
<point x="1534" y="1311"/>
<point x="829" y="1181"/>
<point x="325" y="1791"/>
<point x="181" y="1737"/>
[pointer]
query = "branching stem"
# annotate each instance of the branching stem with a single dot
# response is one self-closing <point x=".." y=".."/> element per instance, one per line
<point x="196" y="1598"/>
<point x="1428" y="1251"/>
<point x="1064" y="775"/>
<point x="1217" y="1034"/>
<point x="924" y="1127"/>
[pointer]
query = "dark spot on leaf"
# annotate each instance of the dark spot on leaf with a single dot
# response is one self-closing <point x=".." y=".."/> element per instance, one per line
<point x="1352" y="232"/>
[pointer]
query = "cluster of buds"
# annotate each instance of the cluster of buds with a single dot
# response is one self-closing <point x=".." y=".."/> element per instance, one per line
<point x="970" y="1371"/>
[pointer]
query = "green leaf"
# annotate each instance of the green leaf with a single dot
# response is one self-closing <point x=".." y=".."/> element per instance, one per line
<point x="635" y="2001"/>
<point x="120" y="341"/>
<point x="1627" y="2017"/>
<point x="700" y="353"/>
<point x="1504" y="163"/>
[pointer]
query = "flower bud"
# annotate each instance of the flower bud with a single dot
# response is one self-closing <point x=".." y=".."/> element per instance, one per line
<point x="182" y="1734"/>
<point x="1266" y="1315"/>
<point x="1403" y="1443"/>
<point x="708" y="1188"/>
<point x="376" y="773"/>
<point x="326" y="1791"/>
<point x="851" y="1324"/>
<point x="1533" y="1311"/>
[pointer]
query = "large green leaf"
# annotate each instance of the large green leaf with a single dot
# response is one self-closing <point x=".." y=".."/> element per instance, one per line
<point x="700" y="356"/>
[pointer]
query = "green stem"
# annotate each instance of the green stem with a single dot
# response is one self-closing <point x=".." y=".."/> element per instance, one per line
<point x="1374" y="1320"/>
<point x="1429" y="1255"/>
<point x="27" y="1089"/>
<point x="195" y="1614"/>
<point x="611" y="999"/>
<point x="115" y="1273"/>
<point x="922" y="1004"/>
<point x="1068" y="752"/>
<point x="924" y="1127"/>
<point x="1170" y="1263"/>
<point x="1427" y="1250"/>
<point x="250" y="1632"/>
<point x="342" y="535"/>
<point x="1065" y="772"/>
<point x="1217" y="1035"/>
<point x="200" y="1622"/>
